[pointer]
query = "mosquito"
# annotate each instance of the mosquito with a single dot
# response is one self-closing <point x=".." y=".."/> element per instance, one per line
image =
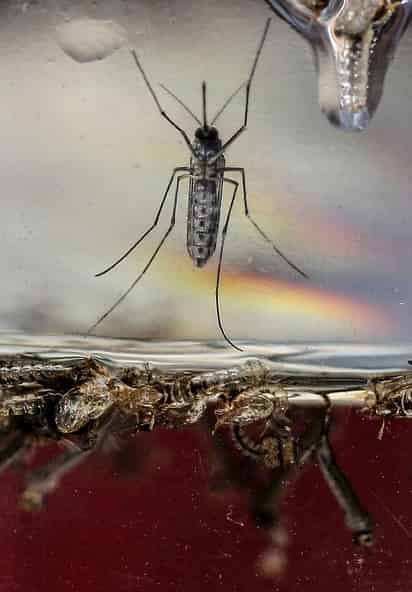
<point x="207" y="175"/>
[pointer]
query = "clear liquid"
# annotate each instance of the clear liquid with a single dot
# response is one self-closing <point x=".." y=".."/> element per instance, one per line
<point x="85" y="161"/>
<point x="310" y="358"/>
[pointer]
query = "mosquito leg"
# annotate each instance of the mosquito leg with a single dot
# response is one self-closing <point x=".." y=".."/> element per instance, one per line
<point x="148" y="264"/>
<point x="356" y="517"/>
<point x="12" y="451"/>
<point x="263" y="500"/>
<point x="248" y="86"/>
<point x="46" y="477"/>
<point x="302" y="450"/>
<point x="149" y="230"/>
<point x="158" y="105"/>
<point x="219" y="265"/>
<point x="257" y="227"/>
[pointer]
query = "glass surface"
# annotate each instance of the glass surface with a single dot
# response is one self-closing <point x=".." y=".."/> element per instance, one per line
<point x="86" y="158"/>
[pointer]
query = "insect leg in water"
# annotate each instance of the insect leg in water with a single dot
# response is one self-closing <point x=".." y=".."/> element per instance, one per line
<point x="12" y="449"/>
<point x="279" y="447"/>
<point x="46" y="478"/>
<point x="356" y="517"/>
<point x="159" y="246"/>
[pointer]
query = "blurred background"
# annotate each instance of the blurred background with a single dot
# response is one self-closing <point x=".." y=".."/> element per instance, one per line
<point x="85" y="159"/>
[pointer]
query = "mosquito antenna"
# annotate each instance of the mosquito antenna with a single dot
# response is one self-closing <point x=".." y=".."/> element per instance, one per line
<point x="219" y="269"/>
<point x="204" y="105"/>
<point x="181" y="103"/>
<point x="226" y="103"/>
<point x="158" y="105"/>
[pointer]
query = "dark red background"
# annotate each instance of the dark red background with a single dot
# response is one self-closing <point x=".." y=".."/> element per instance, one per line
<point x="161" y="528"/>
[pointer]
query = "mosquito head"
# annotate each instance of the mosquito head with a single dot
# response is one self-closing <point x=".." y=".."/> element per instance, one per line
<point x="207" y="134"/>
<point x="207" y="140"/>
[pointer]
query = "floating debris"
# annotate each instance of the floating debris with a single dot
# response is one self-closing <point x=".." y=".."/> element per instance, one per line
<point x="80" y="401"/>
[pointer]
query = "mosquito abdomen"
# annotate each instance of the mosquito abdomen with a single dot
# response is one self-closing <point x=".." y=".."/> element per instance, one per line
<point x="203" y="215"/>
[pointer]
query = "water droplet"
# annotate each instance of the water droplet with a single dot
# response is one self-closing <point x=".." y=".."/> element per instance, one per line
<point x="86" y="40"/>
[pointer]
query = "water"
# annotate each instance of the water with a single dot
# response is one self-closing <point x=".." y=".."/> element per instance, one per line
<point x="172" y="508"/>
<point x="308" y="358"/>
<point x="86" y="159"/>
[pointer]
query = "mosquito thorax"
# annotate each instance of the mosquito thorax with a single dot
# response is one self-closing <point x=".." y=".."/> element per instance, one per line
<point x="207" y="141"/>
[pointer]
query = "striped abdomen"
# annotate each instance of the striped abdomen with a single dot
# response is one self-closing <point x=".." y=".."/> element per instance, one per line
<point x="205" y="198"/>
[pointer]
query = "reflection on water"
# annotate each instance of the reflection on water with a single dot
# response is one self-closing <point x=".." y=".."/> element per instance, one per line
<point x="181" y="465"/>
